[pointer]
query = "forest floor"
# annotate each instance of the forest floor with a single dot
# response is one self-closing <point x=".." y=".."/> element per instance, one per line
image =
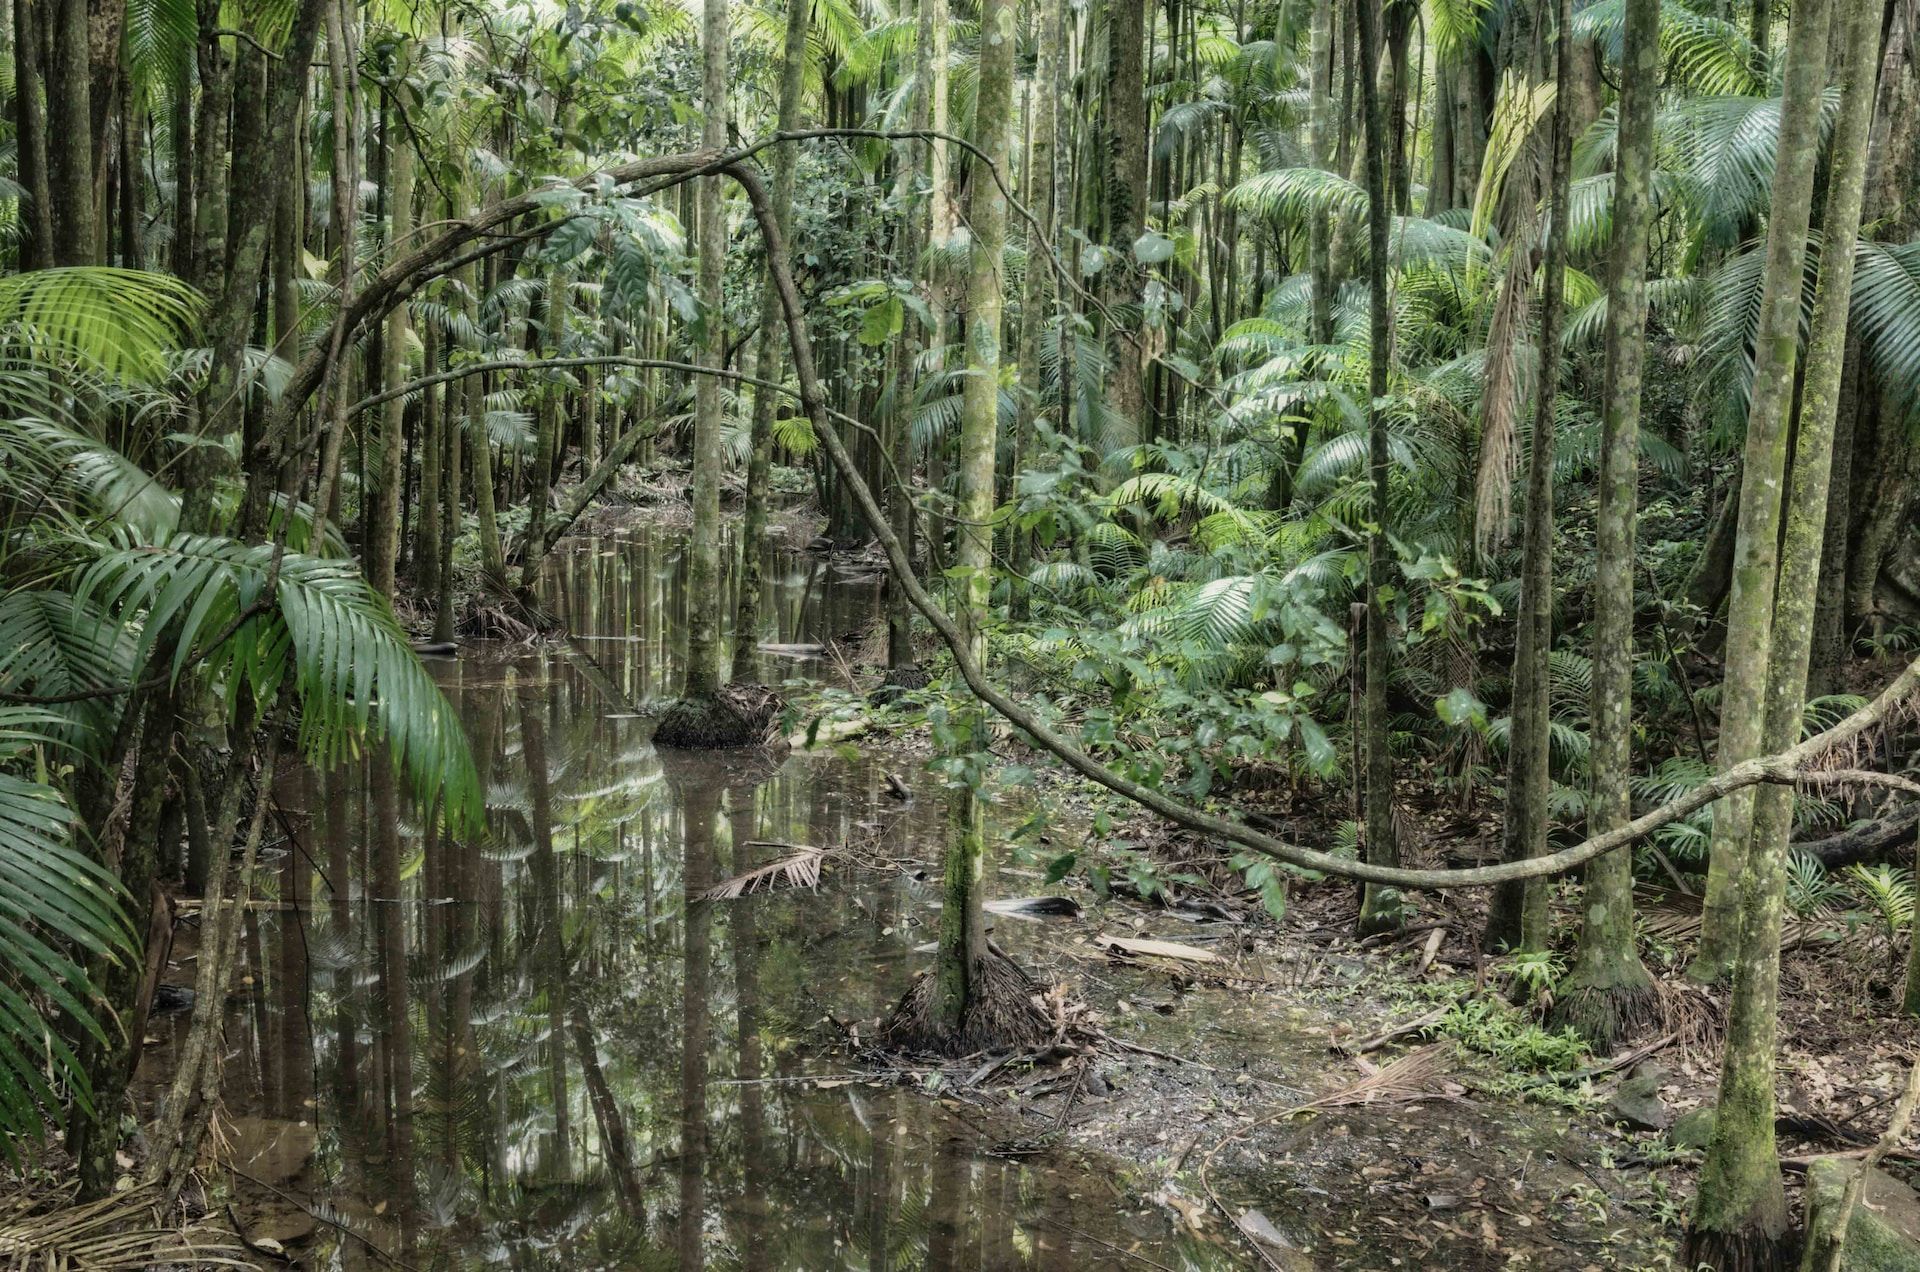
<point x="1272" y="1046"/>
<point x="1380" y="1103"/>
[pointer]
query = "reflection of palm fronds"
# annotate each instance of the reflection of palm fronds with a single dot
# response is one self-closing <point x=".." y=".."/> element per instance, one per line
<point x="115" y="1232"/>
<point x="798" y="869"/>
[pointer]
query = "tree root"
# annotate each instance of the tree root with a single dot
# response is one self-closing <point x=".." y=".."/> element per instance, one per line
<point x="1746" y="1250"/>
<point x="1003" y="1011"/>
<point x="737" y="715"/>
<point x="1607" y="1015"/>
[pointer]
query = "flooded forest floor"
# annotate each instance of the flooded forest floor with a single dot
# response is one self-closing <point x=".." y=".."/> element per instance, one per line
<point x="556" y="1047"/>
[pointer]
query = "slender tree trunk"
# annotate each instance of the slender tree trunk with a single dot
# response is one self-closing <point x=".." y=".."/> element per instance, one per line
<point x="1380" y="908"/>
<point x="30" y="133"/>
<point x="1126" y="108"/>
<point x="550" y="447"/>
<point x="426" y="524"/>
<point x="1740" y="1218"/>
<point x="1763" y="477"/>
<point x="449" y="528"/>
<point x="1036" y="304"/>
<point x="704" y="676"/>
<point x="963" y="950"/>
<point x="753" y="531"/>
<point x="1608" y="992"/>
<point x="1519" y="918"/>
<point x="384" y="552"/>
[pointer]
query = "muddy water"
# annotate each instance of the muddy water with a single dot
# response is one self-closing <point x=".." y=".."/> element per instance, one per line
<point x="541" y="1050"/>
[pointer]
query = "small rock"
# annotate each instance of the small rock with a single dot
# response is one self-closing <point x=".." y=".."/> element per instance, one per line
<point x="1693" y="1128"/>
<point x="1636" y="1101"/>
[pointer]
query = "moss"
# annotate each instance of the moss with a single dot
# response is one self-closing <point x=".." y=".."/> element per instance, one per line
<point x="1880" y="1237"/>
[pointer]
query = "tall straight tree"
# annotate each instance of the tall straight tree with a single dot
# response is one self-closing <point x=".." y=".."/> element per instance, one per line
<point x="1519" y="917"/>
<point x="1036" y="301"/>
<point x="975" y="997"/>
<point x="793" y="56"/>
<point x="1740" y="1219"/>
<point x="1608" y="991"/>
<point x="911" y="235"/>
<point x="699" y="718"/>
<point x="383" y="552"/>
<point x="1763" y="476"/>
<point x="1126" y="119"/>
<point x="1380" y="908"/>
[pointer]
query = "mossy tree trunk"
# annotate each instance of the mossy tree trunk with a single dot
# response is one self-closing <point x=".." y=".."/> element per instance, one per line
<point x="1608" y="992"/>
<point x="1519" y="918"/>
<point x="1756" y="554"/>
<point x="703" y="578"/>
<point x="1380" y="908"/>
<point x="1740" y="1219"/>
<point x="963" y="940"/>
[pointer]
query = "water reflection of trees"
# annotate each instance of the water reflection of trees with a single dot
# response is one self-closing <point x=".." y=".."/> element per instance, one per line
<point x="541" y="1048"/>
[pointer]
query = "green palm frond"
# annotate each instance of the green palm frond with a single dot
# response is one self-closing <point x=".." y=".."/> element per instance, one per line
<point x="1706" y="53"/>
<point x="54" y="900"/>
<point x="120" y="322"/>
<point x="323" y="633"/>
<point x="1291" y="195"/>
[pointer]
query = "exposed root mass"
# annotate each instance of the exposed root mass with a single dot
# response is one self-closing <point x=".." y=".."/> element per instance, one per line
<point x="1004" y="1010"/>
<point x="737" y="715"/>
<point x="1745" y="1251"/>
<point x="1608" y="1015"/>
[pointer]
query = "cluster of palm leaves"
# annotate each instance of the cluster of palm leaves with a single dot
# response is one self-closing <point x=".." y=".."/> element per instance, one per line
<point x="105" y="598"/>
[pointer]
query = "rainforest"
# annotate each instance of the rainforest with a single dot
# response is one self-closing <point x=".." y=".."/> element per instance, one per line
<point x="960" y="634"/>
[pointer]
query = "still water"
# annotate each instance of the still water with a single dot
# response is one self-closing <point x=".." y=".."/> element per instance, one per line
<point x="541" y="1049"/>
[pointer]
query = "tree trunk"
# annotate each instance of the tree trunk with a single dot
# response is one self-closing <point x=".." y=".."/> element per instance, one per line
<point x="704" y="653"/>
<point x="1608" y="992"/>
<point x="1126" y="107"/>
<point x="30" y="133"/>
<point x="384" y="551"/>
<point x="963" y="925"/>
<point x="1519" y="918"/>
<point x="1741" y="1210"/>
<point x="753" y="528"/>
<point x="1763" y="477"/>
<point x="1036" y="304"/>
<point x="1380" y="908"/>
<point x="70" y="134"/>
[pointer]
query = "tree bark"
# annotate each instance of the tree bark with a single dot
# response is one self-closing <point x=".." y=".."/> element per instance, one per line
<point x="1380" y="908"/>
<point x="753" y="528"/>
<point x="1764" y="475"/>
<point x="70" y="134"/>
<point x="704" y="676"/>
<point x="1742" y="1207"/>
<point x="1519" y="918"/>
<point x="1608" y="992"/>
<point x="963" y="939"/>
<point x="384" y="551"/>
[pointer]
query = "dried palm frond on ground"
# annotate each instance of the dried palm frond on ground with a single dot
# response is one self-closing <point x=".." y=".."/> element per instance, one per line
<point x="120" y="1231"/>
<point x="798" y="869"/>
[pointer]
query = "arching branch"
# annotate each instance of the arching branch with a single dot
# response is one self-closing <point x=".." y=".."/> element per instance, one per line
<point x="1799" y="764"/>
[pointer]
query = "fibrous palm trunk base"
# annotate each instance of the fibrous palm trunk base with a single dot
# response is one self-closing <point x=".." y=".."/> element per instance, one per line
<point x="1744" y="1251"/>
<point x="1607" y="1015"/>
<point x="1003" y="1011"/>
<point x="900" y="680"/>
<point x="736" y="715"/>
